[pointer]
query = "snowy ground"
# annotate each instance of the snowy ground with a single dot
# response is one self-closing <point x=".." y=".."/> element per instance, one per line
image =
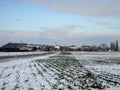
<point x="23" y="60"/>
<point x="61" y="71"/>
<point x="10" y="56"/>
<point x="19" y="53"/>
<point x="105" y="65"/>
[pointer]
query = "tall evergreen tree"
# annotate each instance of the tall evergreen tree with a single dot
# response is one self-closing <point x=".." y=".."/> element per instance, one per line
<point x="113" y="46"/>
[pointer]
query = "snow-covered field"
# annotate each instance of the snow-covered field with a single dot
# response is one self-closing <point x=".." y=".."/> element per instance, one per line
<point x="105" y="65"/>
<point x="63" y="71"/>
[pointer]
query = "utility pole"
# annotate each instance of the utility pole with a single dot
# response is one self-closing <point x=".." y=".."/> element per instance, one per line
<point x="117" y="46"/>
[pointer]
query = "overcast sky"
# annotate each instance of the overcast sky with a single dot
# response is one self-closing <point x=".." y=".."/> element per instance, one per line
<point x="67" y="22"/>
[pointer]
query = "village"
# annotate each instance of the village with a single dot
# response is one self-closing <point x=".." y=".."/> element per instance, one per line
<point x="18" y="47"/>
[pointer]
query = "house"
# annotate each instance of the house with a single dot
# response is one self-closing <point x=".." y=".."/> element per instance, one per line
<point x="74" y="48"/>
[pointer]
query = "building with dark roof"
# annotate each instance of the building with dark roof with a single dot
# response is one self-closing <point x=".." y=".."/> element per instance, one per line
<point x="14" y="47"/>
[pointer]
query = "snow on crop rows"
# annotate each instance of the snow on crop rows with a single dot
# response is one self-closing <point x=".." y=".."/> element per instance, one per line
<point x="105" y="65"/>
<point x="59" y="72"/>
<point x="64" y="71"/>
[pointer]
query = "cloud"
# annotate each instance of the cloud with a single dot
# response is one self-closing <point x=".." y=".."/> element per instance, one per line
<point x="99" y="22"/>
<point x="115" y="27"/>
<point x="93" y="8"/>
<point x="63" y="35"/>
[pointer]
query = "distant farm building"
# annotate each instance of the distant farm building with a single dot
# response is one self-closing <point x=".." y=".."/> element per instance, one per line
<point x="15" y="47"/>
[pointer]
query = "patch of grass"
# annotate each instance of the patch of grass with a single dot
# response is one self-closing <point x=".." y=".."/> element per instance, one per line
<point x="39" y="72"/>
<point x="69" y="87"/>
<point x="54" y="86"/>
<point x="8" y="74"/>
<point x="26" y="81"/>
<point x="16" y="86"/>
<point x="30" y="65"/>
<point x="33" y="74"/>
<point x="30" y="88"/>
<point x="3" y="88"/>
